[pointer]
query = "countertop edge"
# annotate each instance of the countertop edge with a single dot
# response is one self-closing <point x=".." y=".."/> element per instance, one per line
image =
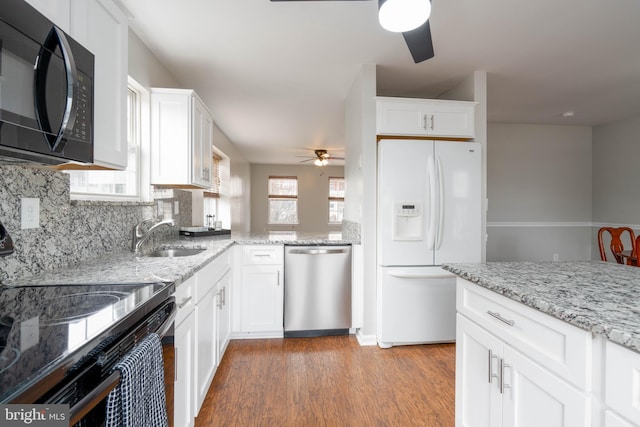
<point x="593" y="323"/>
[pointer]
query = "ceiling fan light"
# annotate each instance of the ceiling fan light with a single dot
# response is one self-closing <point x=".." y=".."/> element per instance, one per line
<point x="318" y="162"/>
<point x="399" y="16"/>
<point x="325" y="162"/>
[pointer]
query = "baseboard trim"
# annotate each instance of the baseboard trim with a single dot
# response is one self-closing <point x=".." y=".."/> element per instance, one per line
<point x="365" y="340"/>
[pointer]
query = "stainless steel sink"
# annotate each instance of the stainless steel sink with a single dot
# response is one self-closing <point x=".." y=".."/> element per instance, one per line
<point x="170" y="253"/>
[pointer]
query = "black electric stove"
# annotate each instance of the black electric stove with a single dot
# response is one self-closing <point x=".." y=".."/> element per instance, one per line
<point x="48" y="334"/>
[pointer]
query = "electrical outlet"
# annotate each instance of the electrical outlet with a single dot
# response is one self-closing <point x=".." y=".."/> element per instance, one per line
<point x="30" y="213"/>
<point x="556" y="257"/>
<point x="29" y="333"/>
<point x="176" y="208"/>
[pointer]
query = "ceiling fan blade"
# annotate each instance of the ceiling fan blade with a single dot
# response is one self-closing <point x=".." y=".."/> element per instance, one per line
<point x="419" y="42"/>
<point x="308" y="160"/>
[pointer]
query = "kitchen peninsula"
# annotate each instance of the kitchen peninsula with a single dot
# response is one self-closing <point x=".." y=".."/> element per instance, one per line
<point x="565" y="335"/>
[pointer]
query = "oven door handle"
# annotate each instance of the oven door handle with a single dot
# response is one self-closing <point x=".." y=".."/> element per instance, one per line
<point x="97" y="395"/>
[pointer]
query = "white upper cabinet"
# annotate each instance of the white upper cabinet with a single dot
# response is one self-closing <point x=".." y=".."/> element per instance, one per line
<point x="425" y="117"/>
<point x="102" y="28"/>
<point x="57" y="11"/>
<point x="181" y="139"/>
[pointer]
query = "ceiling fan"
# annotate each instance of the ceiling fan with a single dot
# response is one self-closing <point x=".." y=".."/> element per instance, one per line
<point x="418" y="40"/>
<point x="321" y="158"/>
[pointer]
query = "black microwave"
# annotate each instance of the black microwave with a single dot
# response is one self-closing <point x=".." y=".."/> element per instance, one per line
<point x="46" y="90"/>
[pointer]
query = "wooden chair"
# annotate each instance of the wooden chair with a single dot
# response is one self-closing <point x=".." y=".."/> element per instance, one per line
<point x="617" y="246"/>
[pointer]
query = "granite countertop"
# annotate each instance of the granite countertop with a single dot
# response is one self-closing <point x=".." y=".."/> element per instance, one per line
<point x="128" y="267"/>
<point x="596" y="296"/>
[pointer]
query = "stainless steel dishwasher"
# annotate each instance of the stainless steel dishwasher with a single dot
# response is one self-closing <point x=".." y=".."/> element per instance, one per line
<point x="317" y="290"/>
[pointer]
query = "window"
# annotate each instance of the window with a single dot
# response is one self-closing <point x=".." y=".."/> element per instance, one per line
<point x="283" y="200"/>
<point x="216" y="200"/>
<point x="336" y="200"/>
<point x="126" y="184"/>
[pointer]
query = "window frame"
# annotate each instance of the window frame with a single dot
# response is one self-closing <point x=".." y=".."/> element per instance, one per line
<point x="335" y="199"/>
<point x="140" y="130"/>
<point x="280" y="198"/>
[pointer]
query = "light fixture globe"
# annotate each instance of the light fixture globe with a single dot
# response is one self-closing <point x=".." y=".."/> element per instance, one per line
<point x="399" y="16"/>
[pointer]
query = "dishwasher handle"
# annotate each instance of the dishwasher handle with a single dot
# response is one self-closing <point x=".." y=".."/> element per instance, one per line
<point x="317" y="251"/>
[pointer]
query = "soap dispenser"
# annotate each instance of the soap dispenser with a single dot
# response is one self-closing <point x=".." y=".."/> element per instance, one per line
<point x="6" y="243"/>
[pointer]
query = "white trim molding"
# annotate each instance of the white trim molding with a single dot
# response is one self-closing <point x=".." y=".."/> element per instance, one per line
<point x="549" y="224"/>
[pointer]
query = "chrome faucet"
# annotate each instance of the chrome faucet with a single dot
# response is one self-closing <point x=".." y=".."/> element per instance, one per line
<point x="138" y="237"/>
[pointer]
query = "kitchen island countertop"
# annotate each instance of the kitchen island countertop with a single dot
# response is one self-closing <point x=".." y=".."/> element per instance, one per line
<point x="596" y="296"/>
<point x="128" y="267"/>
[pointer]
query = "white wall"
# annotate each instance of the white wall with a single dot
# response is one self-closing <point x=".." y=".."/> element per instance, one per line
<point x="145" y="68"/>
<point x="360" y="174"/>
<point x="313" y="196"/>
<point x="539" y="190"/>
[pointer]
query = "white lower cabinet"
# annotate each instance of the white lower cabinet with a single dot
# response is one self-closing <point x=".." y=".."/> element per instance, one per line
<point x="184" y="358"/>
<point x="223" y="320"/>
<point x="499" y="380"/>
<point x="262" y="298"/>
<point x="611" y="419"/>
<point x="622" y="385"/>
<point x="206" y="363"/>
<point x="259" y="296"/>
<point x="202" y="332"/>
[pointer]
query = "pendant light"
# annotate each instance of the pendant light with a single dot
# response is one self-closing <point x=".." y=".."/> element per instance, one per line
<point x="400" y="16"/>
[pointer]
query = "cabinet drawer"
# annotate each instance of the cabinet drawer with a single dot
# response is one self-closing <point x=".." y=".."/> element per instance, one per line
<point x="211" y="273"/>
<point x="622" y="381"/>
<point x="185" y="299"/>
<point x="262" y="254"/>
<point x="558" y="346"/>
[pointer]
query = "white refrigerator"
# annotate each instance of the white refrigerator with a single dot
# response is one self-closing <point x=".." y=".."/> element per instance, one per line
<point x="429" y="213"/>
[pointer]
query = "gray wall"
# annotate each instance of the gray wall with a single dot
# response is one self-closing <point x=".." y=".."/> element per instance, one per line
<point x="313" y="196"/>
<point x="540" y="192"/>
<point x="616" y="172"/>
<point x="616" y="176"/>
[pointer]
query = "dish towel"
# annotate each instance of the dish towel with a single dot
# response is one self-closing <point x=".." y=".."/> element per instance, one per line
<point x="139" y="400"/>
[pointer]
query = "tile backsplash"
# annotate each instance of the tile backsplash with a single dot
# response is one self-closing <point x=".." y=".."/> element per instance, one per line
<point x="71" y="231"/>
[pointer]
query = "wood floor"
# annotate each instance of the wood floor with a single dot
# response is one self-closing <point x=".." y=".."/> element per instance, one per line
<point x="331" y="381"/>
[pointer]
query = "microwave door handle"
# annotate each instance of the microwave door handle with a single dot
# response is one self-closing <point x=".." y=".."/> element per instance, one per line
<point x="54" y="39"/>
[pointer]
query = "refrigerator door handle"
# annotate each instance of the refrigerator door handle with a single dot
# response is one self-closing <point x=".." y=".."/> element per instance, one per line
<point x="405" y="274"/>
<point x="440" y="178"/>
<point x="431" y="178"/>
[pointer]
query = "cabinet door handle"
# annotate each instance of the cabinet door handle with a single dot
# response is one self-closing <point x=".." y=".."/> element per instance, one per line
<point x="175" y="364"/>
<point x="424" y="121"/>
<point x="219" y="303"/>
<point x="500" y="318"/>
<point x="432" y="120"/>
<point x="491" y="374"/>
<point x="184" y="302"/>
<point x="278" y="282"/>
<point x="503" y="386"/>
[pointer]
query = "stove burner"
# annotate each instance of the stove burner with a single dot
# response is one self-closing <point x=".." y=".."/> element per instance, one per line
<point x="67" y="308"/>
<point x="8" y="356"/>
